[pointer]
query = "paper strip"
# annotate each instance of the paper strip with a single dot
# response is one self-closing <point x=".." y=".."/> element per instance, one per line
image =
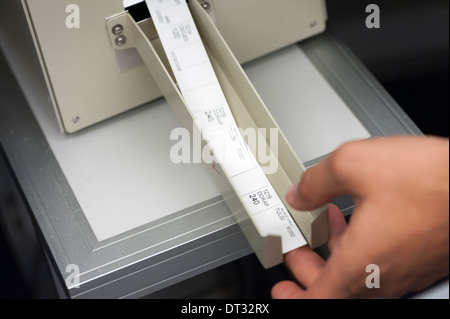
<point x="204" y="97"/>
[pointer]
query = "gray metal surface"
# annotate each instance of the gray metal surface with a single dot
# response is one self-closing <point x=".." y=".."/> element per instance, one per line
<point x="130" y="265"/>
<point x="181" y="245"/>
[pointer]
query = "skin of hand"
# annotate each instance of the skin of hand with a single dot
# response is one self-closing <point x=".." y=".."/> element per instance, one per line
<point x="400" y="222"/>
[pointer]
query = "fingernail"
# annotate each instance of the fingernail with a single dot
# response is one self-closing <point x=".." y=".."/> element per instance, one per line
<point x="292" y="194"/>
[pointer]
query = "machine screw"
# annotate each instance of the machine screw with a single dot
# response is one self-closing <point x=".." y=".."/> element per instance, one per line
<point x="117" y="29"/>
<point x="121" y="40"/>
<point x="205" y="5"/>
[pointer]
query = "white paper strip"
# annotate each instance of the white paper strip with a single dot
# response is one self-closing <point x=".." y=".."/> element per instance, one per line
<point x="129" y="3"/>
<point x="205" y="99"/>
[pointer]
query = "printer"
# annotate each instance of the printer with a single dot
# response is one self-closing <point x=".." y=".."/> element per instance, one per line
<point x="89" y="81"/>
<point x="94" y="73"/>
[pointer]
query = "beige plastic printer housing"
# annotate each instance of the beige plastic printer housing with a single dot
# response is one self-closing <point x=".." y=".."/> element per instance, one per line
<point x="81" y="67"/>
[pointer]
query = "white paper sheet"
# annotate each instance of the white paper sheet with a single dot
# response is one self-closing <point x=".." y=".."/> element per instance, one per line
<point x="310" y="113"/>
<point x="120" y="170"/>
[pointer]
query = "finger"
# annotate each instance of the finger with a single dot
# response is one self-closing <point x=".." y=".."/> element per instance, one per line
<point x="338" y="174"/>
<point x="287" y="290"/>
<point x="304" y="264"/>
<point x="336" y="225"/>
<point x="343" y="276"/>
<point x="333" y="283"/>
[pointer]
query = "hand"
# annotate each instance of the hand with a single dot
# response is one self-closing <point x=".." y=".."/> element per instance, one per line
<point x="400" y="223"/>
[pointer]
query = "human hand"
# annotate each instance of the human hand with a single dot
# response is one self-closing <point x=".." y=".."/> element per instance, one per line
<point x="400" y="223"/>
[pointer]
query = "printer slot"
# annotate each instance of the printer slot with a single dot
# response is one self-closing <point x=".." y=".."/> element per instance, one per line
<point x="139" y="11"/>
